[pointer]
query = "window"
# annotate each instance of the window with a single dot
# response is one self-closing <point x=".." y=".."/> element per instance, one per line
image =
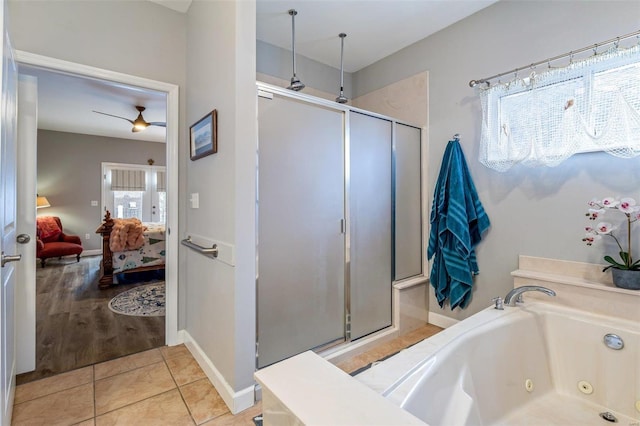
<point x="591" y="105"/>
<point x="131" y="190"/>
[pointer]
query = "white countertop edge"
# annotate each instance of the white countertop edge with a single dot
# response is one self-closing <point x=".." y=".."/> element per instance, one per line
<point x="316" y="393"/>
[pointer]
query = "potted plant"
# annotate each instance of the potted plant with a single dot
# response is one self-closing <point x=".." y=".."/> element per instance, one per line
<point x="626" y="271"/>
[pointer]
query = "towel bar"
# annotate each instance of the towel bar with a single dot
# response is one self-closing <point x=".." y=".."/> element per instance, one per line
<point x="206" y="251"/>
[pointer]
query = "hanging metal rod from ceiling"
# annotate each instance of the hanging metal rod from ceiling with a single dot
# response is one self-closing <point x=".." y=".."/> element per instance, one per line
<point x="548" y="61"/>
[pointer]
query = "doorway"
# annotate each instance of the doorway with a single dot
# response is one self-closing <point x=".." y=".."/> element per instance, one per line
<point x="86" y="270"/>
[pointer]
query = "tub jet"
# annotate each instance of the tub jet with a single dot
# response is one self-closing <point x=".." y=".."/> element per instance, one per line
<point x="609" y="417"/>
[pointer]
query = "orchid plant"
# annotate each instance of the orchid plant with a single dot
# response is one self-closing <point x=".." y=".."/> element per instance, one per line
<point x="632" y="212"/>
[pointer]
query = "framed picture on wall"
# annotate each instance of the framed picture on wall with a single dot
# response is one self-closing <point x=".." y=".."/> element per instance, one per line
<point x="203" y="136"/>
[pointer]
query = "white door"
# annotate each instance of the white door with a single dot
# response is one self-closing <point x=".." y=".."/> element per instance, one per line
<point x="26" y="227"/>
<point x="8" y="126"/>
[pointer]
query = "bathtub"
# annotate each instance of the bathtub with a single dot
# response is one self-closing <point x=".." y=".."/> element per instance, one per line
<point x="535" y="364"/>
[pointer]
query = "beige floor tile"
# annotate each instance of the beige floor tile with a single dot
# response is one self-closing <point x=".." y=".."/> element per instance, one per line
<point x="127" y="363"/>
<point x="244" y="418"/>
<point x="185" y="369"/>
<point x="90" y="422"/>
<point x="382" y="351"/>
<point x="164" y="409"/>
<point x="419" y="334"/>
<point x="61" y="408"/>
<point x="203" y="401"/>
<point x="50" y="385"/>
<point x="173" y="351"/>
<point x="133" y="386"/>
<point x="352" y="364"/>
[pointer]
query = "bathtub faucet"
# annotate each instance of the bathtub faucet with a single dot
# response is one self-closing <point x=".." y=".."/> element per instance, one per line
<point x="515" y="295"/>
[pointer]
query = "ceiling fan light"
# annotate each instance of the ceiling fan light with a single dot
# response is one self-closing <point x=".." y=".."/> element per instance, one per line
<point x="139" y="124"/>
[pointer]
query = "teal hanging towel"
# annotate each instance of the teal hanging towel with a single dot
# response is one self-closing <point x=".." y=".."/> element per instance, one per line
<point x="458" y="221"/>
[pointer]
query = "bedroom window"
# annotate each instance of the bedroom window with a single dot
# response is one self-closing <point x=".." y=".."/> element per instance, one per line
<point x="127" y="204"/>
<point x="134" y="190"/>
<point x="543" y="119"/>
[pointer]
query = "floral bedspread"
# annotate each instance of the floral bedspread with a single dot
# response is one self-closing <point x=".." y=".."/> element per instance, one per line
<point x="152" y="253"/>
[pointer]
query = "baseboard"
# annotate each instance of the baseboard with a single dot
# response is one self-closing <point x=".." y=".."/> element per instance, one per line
<point x="236" y="401"/>
<point x="94" y="252"/>
<point x="441" y="320"/>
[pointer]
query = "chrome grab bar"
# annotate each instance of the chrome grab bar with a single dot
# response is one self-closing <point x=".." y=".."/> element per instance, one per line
<point x="206" y="251"/>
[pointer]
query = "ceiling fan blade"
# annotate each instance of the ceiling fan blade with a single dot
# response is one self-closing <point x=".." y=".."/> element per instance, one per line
<point x="157" y="123"/>
<point x="116" y="116"/>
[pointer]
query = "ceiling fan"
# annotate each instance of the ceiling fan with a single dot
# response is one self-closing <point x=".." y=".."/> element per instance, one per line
<point x="139" y="124"/>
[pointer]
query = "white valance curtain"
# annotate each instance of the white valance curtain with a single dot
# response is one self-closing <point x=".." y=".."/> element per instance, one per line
<point x="544" y="118"/>
<point x="128" y="180"/>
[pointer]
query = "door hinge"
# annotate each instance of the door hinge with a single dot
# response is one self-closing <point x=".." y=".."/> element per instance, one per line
<point x="257" y="350"/>
<point x="343" y="226"/>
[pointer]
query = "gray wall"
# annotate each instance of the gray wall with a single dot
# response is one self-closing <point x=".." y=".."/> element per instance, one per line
<point x="69" y="175"/>
<point x="537" y="212"/>
<point x="277" y="62"/>
<point x="221" y="73"/>
<point x="218" y="310"/>
<point x="108" y="34"/>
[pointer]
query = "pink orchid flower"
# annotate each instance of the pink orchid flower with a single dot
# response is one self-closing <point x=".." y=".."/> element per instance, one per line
<point x="604" y="228"/>
<point x="627" y="205"/>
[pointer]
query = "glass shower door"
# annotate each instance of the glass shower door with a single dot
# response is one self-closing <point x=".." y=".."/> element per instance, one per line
<point x="370" y="226"/>
<point x="300" y="288"/>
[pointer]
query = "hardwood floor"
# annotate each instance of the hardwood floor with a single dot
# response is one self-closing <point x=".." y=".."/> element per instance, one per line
<point x="74" y="326"/>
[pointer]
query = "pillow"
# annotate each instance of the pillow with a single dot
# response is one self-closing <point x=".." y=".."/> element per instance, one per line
<point x="48" y="229"/>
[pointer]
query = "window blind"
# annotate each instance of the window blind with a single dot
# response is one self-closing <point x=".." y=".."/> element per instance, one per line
<point x="161" y="185"/>
<point x="128" y="180"/>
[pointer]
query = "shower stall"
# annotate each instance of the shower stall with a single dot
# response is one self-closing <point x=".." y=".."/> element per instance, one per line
<point x="339" y="208"/>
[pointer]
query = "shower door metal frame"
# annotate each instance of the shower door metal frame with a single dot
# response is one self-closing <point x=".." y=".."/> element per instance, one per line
<point x="268" y="90"/>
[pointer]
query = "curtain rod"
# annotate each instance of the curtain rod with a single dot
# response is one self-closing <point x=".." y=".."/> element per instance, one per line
<point x="616" y="40"/>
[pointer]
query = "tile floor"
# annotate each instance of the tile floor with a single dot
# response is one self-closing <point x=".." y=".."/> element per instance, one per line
<point x="163" y="386"/>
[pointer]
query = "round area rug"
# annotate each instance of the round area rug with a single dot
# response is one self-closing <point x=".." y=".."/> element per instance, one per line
<point x="143" y="301"/>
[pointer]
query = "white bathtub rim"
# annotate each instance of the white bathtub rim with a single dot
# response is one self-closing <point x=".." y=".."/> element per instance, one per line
<point x="396" y="386"/>
<point x="400" y="389"/>
<point x="430" y="346"/>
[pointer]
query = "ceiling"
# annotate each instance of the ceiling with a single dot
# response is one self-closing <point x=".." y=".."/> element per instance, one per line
<point x="66" y="103"/>
<point x="374" y="28"/>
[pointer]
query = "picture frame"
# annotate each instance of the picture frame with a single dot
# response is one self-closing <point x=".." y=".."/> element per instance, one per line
<point x="203" y="136"/>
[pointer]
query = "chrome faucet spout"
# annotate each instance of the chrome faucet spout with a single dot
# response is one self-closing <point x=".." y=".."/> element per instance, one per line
<point x="515" y="295"/>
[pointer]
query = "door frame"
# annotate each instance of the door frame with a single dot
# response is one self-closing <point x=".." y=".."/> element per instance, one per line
<point x="172" y="336"/>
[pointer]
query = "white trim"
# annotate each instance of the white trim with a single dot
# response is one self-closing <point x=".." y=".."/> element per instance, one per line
<point x="236" y="401"/>
<point x="441" y="320"/>
<point x="92" y="252"/>
<point x="173" y="124"/>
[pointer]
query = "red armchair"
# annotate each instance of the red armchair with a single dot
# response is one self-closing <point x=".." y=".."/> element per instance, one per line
<point x="53" y="242"/>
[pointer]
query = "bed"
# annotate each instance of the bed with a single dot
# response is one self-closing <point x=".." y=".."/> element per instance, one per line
<point x="150" y="256"/>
